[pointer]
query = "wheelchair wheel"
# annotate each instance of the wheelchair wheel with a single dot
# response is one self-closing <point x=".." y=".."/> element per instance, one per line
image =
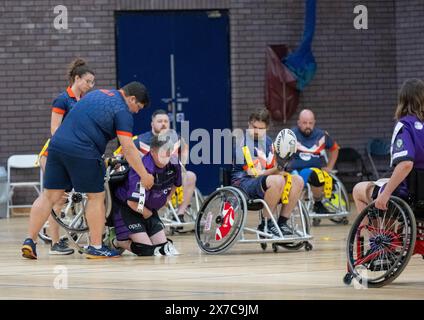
<point x="380" y="243"/>
<point x="220" y="220"/>
<point x="295" y="222"/>
<point x="72" y="215"/>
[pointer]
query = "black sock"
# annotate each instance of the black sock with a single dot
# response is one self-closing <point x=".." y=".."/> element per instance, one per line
<point x="282" y="220"/>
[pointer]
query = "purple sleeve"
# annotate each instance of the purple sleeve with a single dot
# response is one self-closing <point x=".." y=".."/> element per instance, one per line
<point x="130" y="189"/>
<point x="403" y="148"/>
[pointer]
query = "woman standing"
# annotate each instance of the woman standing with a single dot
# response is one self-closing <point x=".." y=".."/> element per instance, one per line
<point x="81" y="80"/>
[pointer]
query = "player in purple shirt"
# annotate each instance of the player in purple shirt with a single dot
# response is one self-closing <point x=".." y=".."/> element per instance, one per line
<point x="143" y="232"/>
<point x="407" y="149"/>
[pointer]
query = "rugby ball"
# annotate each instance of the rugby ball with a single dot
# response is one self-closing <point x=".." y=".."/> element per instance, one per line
<point x="285" y="144"/>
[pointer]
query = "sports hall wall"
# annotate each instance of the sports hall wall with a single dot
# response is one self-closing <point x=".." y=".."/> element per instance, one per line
<point x="353" y="93"/>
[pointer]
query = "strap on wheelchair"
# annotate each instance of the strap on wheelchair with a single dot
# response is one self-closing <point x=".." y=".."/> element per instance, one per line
<point x="287" y="188"/>
<point x="177" y="197"/>
<point x="323" y="176"/>
<point x="249" y="161"/>
<point x="141" y="200"/>
<point x="43" y="150"/>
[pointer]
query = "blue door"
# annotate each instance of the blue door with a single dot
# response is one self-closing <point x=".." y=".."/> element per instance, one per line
<point x="183" y="59"/>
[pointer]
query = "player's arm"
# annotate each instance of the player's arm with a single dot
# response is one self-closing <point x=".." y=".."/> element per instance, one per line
<point x="55" y="122"/>
<point x="132" y="155"/>
<point x="333" y="152"/>
<point x="184" y="152"/>
<point x="332" y="158"/>
<point x="59" y="108"/>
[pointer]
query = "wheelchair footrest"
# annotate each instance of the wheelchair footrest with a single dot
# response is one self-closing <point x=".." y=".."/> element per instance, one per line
<point x="328" y="215"/>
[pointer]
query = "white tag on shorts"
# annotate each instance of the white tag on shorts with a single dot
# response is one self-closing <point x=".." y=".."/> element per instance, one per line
<point x="141" y="199"/>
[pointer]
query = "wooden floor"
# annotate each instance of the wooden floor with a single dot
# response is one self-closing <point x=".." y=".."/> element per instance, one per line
<point x="244" y="272"/>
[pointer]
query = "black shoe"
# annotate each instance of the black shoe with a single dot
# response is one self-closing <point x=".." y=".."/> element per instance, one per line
<point x="180" y="217"/>
<point x="60" y="248"/>
<point x="285" y="229"/>
<point x="319" y="208"/>
<point x="271" y="228"/>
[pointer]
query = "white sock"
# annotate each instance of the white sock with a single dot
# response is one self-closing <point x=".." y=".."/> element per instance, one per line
<point x="97" y="247"/>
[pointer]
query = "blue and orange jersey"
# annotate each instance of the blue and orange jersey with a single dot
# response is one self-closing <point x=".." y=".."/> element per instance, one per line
<point x="64" y="102"/>
<point x="61" y="105"/>
<point x="310" y="149"/>
<point x="261" y="152"/>
<point x="96" y="119"/>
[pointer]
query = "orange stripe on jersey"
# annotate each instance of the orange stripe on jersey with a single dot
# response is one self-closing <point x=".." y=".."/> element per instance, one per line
<point x="124" y="133"/>
<point x="70" y="92"/>
<point x="109" y="93"/>
<point x="318" y="151"/>
<point x="58" y="110"/>
<point x="334" y="147"/>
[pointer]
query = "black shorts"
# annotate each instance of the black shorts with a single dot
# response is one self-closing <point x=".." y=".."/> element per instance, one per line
<point x="128" y="221"/>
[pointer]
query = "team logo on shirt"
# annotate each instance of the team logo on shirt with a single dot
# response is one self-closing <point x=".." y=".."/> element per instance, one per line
<point x="399" y="143"/>
<point x="305" y="156"/>
<point x="418" y="125"/>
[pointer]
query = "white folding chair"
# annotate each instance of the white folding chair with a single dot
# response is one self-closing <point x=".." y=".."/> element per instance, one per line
<point x="17" y="162"/>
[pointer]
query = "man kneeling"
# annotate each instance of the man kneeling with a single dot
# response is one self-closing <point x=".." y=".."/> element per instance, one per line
<point x="143" y="232"/>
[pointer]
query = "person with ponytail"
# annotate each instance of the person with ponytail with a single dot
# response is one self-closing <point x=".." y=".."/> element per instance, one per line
<point x="81" y="80"/>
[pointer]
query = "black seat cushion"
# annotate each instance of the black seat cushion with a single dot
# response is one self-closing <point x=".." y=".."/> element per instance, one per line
<point x="252" y="206"/>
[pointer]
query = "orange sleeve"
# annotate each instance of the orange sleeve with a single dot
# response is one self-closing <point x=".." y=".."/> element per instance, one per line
<point x="124" y="133"/>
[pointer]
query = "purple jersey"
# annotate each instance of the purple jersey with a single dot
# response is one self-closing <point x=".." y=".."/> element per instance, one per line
<point x="408" y="145"/>
<point x="165" y="179"/>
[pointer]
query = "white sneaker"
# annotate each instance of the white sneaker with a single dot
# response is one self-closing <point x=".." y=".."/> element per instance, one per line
<point x="167" y="249"/>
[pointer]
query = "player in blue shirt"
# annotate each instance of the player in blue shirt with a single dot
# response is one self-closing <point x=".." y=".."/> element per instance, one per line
<point x="265" y="181"/>
<point x="311" y="143"/>
<point x="75" y="159"/>
<point x="81" y="80"/>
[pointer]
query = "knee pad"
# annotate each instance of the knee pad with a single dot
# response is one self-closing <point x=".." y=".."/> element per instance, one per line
<point x="142" y="249"/>
<point x="153" y="224"/>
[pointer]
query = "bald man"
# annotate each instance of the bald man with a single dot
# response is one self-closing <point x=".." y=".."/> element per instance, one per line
<point x="311" y="144"/>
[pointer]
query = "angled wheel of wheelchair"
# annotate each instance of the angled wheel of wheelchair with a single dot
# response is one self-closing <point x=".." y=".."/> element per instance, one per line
<point x="220" y="220"/>
<point x="43" y="235"/>
<point x="380" y="243"/>
<point x="295" y="223"/>
<point x="72" y="215"/>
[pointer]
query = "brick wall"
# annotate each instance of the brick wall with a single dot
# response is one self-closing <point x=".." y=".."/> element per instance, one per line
<point x="353" y="93"/>
<point x="409" y="40"/>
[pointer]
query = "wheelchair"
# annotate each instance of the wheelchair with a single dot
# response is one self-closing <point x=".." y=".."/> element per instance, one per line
<point x="169" y="216"/>
<point x="221" y="222"/>
<point x="337" y="204"/>
<point x="72" y="216"/>
<point x="381" y="243"/>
